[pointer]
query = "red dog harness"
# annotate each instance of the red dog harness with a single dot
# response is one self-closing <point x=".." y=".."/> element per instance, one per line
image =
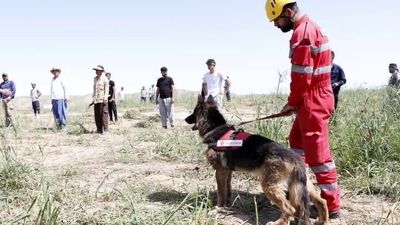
<point x="231" y="140"/>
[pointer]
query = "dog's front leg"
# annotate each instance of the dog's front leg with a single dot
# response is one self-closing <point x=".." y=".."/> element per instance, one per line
<point x="223" y="176"/>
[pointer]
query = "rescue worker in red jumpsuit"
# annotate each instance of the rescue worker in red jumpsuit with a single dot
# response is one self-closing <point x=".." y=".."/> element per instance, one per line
<point x="311" y="95"/>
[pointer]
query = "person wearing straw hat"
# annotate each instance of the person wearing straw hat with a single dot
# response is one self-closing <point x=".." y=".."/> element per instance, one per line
<point x="35" y="95"/>
<point x="7" y="93"/>
<point x="59" y="98"/>
<point x="100" y="99"/>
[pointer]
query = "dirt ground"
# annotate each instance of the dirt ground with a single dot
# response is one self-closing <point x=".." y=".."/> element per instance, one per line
<point x="79" y="158"/>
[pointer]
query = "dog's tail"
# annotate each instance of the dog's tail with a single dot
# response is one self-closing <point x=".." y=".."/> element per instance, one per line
<point x="299" y="197"/>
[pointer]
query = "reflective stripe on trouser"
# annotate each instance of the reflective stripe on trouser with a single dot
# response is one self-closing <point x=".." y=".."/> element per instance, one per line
<point x="166" y="111"/>
<point x="311" y="136"/>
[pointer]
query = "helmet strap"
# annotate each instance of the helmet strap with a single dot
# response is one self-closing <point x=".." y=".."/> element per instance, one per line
<point x="292" y="17"/>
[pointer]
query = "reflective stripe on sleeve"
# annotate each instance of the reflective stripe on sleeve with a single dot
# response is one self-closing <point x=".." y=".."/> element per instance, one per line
<point x="302" y="69"/>
<point x="322" y="70"/>
<point x="316" y="50"/>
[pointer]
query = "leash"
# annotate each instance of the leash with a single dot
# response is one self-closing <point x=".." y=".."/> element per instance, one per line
<point x="276" y="115"/>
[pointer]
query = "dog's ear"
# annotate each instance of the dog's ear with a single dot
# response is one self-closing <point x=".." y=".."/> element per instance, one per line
<point x="200" y="98"/>
<point x="210" y="99"/>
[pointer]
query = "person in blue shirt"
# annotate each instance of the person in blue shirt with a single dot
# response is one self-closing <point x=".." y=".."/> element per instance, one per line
<point x="7" y="94"/>
<point x="338" y="79"/>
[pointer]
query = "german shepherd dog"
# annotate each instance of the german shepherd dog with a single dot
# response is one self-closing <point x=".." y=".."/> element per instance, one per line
<point x="281" y="172"/>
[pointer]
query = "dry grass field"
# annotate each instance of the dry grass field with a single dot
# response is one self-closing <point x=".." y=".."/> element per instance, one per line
<point x="137" y="173"/>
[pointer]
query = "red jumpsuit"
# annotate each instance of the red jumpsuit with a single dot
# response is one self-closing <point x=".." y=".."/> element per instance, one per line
<point x="311" y="93"/>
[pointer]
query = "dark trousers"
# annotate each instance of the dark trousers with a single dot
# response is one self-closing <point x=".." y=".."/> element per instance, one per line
<point x="112" y="110"/>
<point x="101" y="117"/>
<point x="336" y="95"/>
<point x="228" y="95"/>
<point x="36" y="107"/>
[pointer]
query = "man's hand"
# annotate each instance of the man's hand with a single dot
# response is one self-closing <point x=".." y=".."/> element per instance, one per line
<point x="334" y="85"/>
<point x="157" y="101"/>
<point x="288" y="109"/>
<point x="172" y="100"/>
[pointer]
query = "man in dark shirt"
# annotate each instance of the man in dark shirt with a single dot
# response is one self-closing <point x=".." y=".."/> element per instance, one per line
<point x="112" y="106"/>
<point x="7" y="93"/>
<point x="165" y="98"/>
<point x="337" y="79"/>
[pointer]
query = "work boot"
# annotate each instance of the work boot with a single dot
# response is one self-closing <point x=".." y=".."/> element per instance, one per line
<point x="332" y="214"/>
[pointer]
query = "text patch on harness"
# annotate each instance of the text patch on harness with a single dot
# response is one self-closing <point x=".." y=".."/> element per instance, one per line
<point x="231" y="140"/>
<point x="229" y="143"/>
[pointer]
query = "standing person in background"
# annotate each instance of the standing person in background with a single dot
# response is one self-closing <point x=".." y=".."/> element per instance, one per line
<point x="310" y="95"/>
<point x="7" y="94"/>
<point x="100" y="100"/>
<point x="59" y="98"/>
<point x="152" y="93"/>
<point x="213" y="83"/>
<point x="143" y="94"/>
<point x="112" y="105"/>
<point x="394" y="78"/>
<point x="35" y="95"/>
<point x="227" y="88"/>
<point x="337" y="79"/>
<point x="165" y="98"/>
<point x="121" y="95"/>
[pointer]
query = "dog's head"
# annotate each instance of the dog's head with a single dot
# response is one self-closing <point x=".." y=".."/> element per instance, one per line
<point x="205" y="116"/>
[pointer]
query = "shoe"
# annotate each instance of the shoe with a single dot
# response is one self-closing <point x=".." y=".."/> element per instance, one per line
<point x="335" y="215"/>
<point x="172" y="125"/>
<point x="332" y="215"/>
<point x="165" y="127"/>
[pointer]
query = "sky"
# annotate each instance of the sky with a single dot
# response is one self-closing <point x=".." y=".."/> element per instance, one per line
<point x="132" y="39"/>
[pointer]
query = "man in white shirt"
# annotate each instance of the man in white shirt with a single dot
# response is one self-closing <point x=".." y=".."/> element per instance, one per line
<point x="143" y="94"/>
<point x="214" y="83"/>
<point x="59" y="98"/>
<point x="35" y="95"/>
<point x="121" y="95"/>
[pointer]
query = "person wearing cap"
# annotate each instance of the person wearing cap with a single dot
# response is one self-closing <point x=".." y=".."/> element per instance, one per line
<point x="112" y="105"/>
<point x="165" y="98"/>
<point x="338" y="79"/>
<point x="35" y="95"/>
<point x="100" y="99"/>
<point x="7" y="94"/>
<point x="394" y="78"/>
<point x="310" y="95"/>
<point x="215" y="83"/>
<point x="59" y="98"/>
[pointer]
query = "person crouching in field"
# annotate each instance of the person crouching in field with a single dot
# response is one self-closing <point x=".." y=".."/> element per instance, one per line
<point x="100" y="100"/>
<point x="59" y="98"/>
<point x="35" y="95"/>
<point x="7" y="93"/>
<point x="394" y="78"/>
